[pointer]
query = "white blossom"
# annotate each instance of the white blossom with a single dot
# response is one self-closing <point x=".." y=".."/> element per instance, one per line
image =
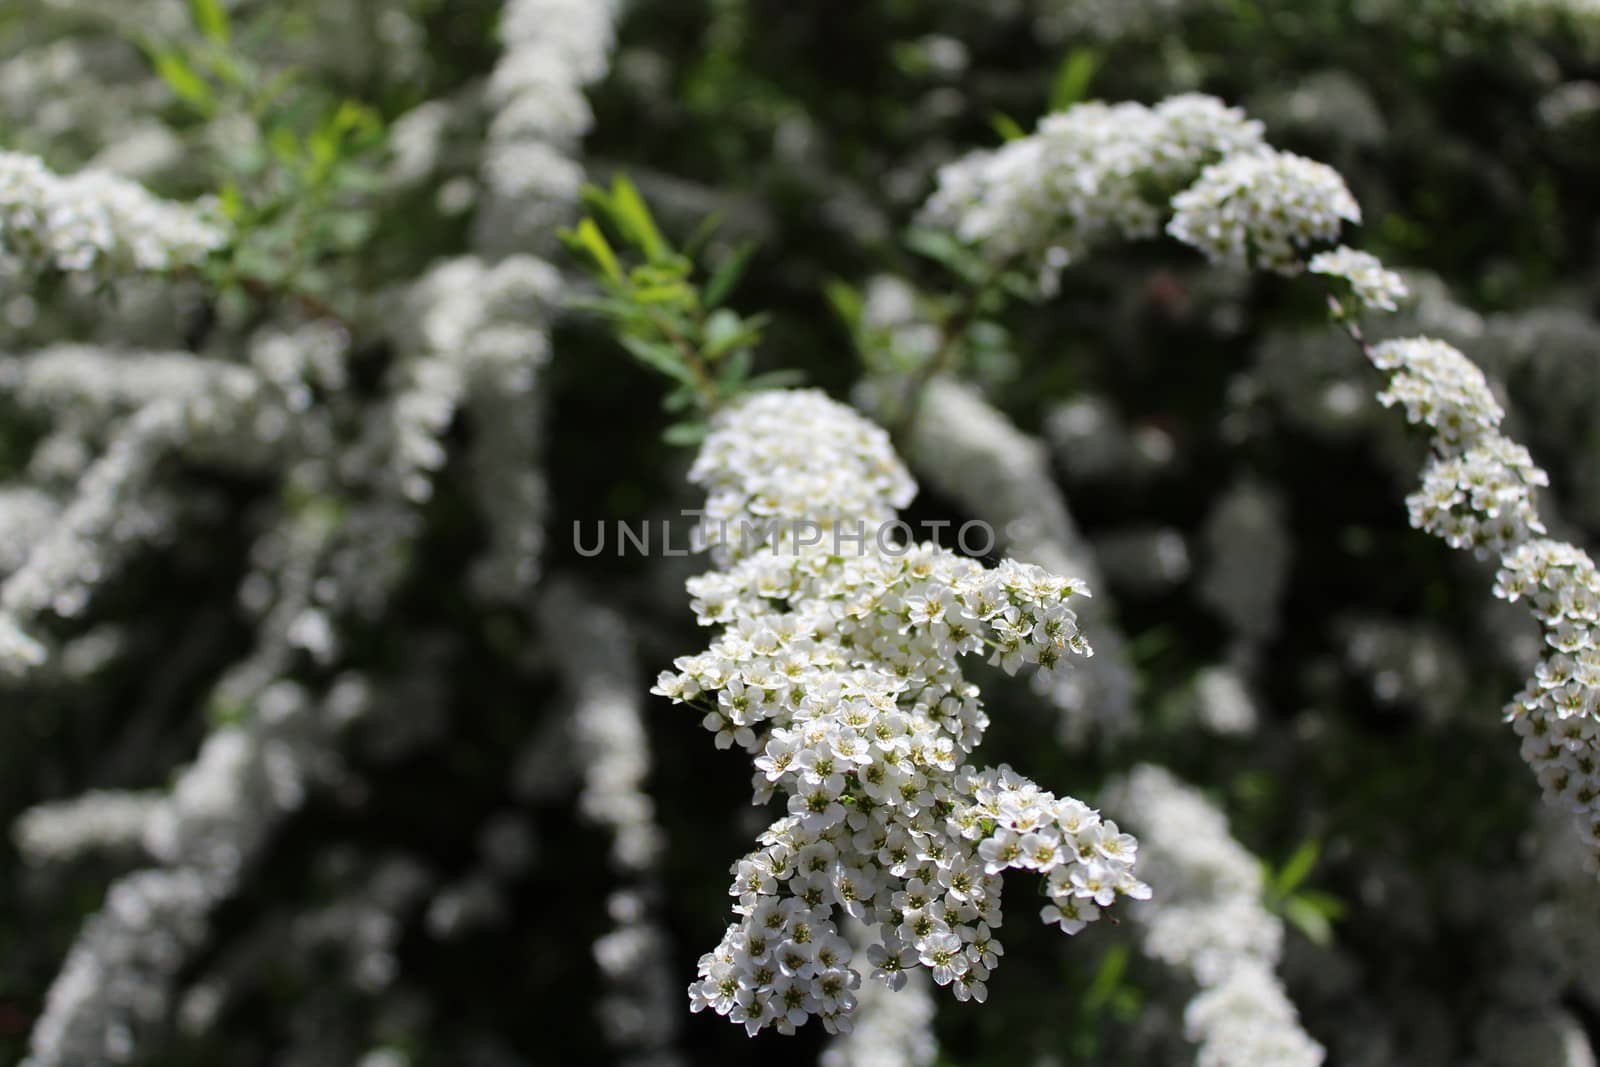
<point x="1084" y="177"/>
<point x="1248" y="552"/>
<point x="838" y="672"/>
<point x="1209" y="920"/>
<point x="1262" y="208"/>
<point x="94" y="221"/>
<point x="971" y="452"/>
<point x="114" y="987"/>
<point x="552" y="49"/>
<point x="96" y="821"/>
<point x="1374" y="285"/>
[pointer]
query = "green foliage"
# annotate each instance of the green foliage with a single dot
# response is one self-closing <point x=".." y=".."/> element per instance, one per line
<point x="664" y="317"/>
<point x="297" y="175"/>
<point x="1072" y="79"/>
<point x="1311" y="911"/>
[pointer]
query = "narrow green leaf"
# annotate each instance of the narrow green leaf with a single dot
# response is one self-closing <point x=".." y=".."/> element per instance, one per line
<point x="231" y="201"/>
<point x="1328" y="904"/>
<point x="588" y="238"/>
<point x="1071" y="85"/>
<point x="727" y="276"/>
<point x="1107" y="979"/>
<point x="1297" y="868"/>
<point x="1007" y="127"/>
<point x="1309" y="921"/>
<point x="671" y="293"/>
<point x="702" y="233"/>
<point x="595" y="198"/>
<point x="731" y="376"/>
<point x="212" y="19"/>
<point x="944" y="249"/>
<point x="682" y="434"/>
<point x="285" y="145"/>
<point x="182" y="79"/>
<point x="845" y="299"/>
<point x="634" y="217"/>
<point x="680" y="400"/>
<point x="660" y="357"/>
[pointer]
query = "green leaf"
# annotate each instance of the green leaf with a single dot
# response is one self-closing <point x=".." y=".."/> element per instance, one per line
<point x="1297" y="868"/>
<point x="726" y="332"/>
<point x="661" y="357"/>
<point x="285" y="145"/>
<point x="845" y="299"/>
<point x="629" y="209"/>
<point x="702" y="233"/>
<point x="588" y="238"/>
<point x="183" y="80"/>
<point x="723" y="330"/>
<point x="1328" y="904"/>
<point x="727" y="275"/>
<point x="1107" y="979"/>
<point x="680" y="400"/>
<point x="944" y="249"/>
<point x="1309" y="920"/>
<point x="684" y="433"/>
<point x="1007" y="127"/>
<point x="669" y="293"/>
<point x="732" y="374"/>
<point x="212" y="19"/>
<point x="1072" y="80"/>
<point x="231" y="201"/>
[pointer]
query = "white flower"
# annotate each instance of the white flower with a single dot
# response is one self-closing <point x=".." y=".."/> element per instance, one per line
<point x="1083" y="177"/>
<point x="95" y="221"/>
<point x="1262" y="208"/>
<point x="1374" y="285"/>
<point x="1209" y="919"/>
<point x="885" y="821"/>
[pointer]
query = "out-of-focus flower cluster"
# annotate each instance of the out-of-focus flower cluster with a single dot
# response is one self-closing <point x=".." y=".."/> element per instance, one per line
<point x="94" y="221"/>
<point x="1208" y="918"/>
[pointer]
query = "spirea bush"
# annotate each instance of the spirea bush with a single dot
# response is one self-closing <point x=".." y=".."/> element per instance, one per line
<point x="1130" y="464"/>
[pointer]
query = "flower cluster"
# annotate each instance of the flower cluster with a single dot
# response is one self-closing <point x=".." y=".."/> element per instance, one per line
<point x="101" y="820"/>
<point x="1262" y="207"/>
<point x="553" y="48"/>
<point x="94" y="221"/>
<point x="640" y="1011"/>
<point x="1086" y="176"/>
<point x="1439" y="388"/>
<point x="114" y="985"/>
<point x="1248" y="553"/>
<point x="209" y="410"/>
<point x="26" y="516"/>
<point x="1209" y="920"/>
<point x="1478" y="493"/>
<point x="476" y="339"/>
<point x="1477" y="489"/>
<point x="1373" y="284"/>
<point x="968" y="450"/>
<point x="793" y="465"/>
<point x="1557" y="713"/>
<point x="839" y="674"/>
